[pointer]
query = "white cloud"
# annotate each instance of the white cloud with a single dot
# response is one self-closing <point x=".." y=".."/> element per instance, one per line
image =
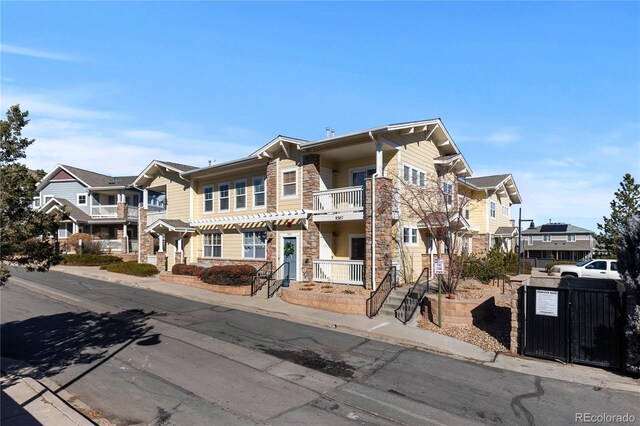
<point x="35" y="53"/>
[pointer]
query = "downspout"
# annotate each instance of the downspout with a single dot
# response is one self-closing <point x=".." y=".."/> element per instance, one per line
<point x="373" y="224"/>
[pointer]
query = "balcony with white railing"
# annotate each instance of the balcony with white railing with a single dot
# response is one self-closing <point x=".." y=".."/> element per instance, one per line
<point x="104" y="211"/>
<point x="339" y="271"/>
<point x="132" y="212"/>
<point x="339" y="204"/>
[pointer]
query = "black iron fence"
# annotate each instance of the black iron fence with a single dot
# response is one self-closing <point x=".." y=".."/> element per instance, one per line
<point x="261" y="277"/>
<point x="413" y="297"/>
<point x="377" y="297"/>
<point x="277" y="279"/>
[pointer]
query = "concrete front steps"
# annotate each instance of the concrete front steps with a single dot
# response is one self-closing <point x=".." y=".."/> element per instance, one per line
<point x="393" y="302"/>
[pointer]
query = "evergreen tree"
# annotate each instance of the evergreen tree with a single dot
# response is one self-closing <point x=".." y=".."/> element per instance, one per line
<point x="629" y="269"/>
<point x="624" y="206"/>
<point x="24" y="232"/>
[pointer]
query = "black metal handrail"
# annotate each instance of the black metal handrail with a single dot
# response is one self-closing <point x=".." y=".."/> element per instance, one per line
<point x="260" y="278"/>
<point x="412" y="299"/>
<point x="277" y="278"/>
<point x="377" y="297"/>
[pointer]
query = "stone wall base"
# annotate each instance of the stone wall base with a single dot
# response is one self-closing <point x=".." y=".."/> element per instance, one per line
<point x="226" y="262"/>
<point x="458" y="311"/>
<point x="238" y="290"/>
<point x="341" y="303"/>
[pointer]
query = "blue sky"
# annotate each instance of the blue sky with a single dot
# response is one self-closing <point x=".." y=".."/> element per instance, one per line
<point x="549" y="92"/>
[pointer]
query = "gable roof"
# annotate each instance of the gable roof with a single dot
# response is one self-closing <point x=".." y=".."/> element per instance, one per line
<point x="72" y="211"/>
<point x="497" y="183"/>
<point x="87" y="177"/>
<point x="176" y="167"/>
<point x="557" y="230"/>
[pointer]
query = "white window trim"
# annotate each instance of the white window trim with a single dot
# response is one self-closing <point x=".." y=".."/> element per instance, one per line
<point x="254" y="244"/>
<point x="228" y="197"/>
<point x="204" y="199"/>
<point x="212" y="245"/>
<point x="544" y="238"/>
<point x="46" y="199"/>
<point x="253" y="193"/>
<point x="359" y="169"/>
<point x="411" y="243"/>
<point x="495" y="205"/>
<point x="86" y="199"/>
<point x="419" y="170"/>
<point x="453" y="192"/>
<point x="529" y="240"/>
<point x="351" y="237"/>
<point x="282" y="172"/>
<point x="570" y="240"/>
<point x="508" y="210"/>
<point x="235" y="195"/>
<point x="39" y="202"/>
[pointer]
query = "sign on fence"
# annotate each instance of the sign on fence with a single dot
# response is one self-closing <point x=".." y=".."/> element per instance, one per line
<point x="547" y="303"/>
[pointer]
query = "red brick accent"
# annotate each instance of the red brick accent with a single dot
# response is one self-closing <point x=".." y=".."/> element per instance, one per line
<point x="383" y="238"/>
<point x="311" y="236"/>
<point x="237" y="290"/>
<point x="342" y="303"/>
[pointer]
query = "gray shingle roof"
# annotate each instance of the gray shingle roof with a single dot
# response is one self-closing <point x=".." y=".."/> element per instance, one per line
<point x="486" y="181"/>
<point x="94" y="179"/>
<point x="182" y="167"/>
<point x="73" y="211"/>
<point x="571" y="229"/>
<point x="506" y="230"/>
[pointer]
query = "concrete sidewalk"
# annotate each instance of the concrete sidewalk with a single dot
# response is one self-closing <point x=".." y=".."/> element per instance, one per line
<point x="27" y="401"/>
<point x="380" y="328"/>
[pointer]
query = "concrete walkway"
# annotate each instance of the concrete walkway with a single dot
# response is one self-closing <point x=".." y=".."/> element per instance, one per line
<point x="380" y="328"/>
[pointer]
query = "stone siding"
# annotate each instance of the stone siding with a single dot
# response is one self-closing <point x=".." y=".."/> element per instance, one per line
<point x="341" y="303"/>
<point x="480" y="244"/>
<point x="145" y="240"/>
<point x="384" y="223"/>
<point x="237" y="290"/>
<point x="311" y="236"/>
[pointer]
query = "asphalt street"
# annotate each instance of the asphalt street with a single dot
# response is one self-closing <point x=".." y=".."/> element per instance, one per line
<point x="140" y="357"/>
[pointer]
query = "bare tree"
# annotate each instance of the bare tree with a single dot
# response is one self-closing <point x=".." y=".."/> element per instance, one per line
<point x="438" y="206"/>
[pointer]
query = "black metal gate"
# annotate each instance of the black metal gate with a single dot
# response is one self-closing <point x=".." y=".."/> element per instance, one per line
<point x="576" y="324"/>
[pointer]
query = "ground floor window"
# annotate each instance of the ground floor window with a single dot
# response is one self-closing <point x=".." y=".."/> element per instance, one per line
<point x="254" y="243"/>
<point x="212" y="245"/>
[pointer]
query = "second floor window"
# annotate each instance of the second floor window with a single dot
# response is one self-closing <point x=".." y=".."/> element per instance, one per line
<point x="505" y="210"/>
<point x="36" y="202"/>
<point x="289" y="184"/>
<point x="571" y="238"/>
<point x="208" y="199"/>
<point x="492" y="209"/>
<point x="241" y="194"/>
<point x="223" y="196"/>
<point x="82" y="200"/>
<point x="546" y="238"/>
<point x="530" y="240"/>
<point x="414" y="176"/>
<point x="447" y="191"/>
<point x="259" y="195"/>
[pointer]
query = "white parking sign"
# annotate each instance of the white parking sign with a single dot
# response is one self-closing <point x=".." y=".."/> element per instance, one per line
<point x="439" y="266"/>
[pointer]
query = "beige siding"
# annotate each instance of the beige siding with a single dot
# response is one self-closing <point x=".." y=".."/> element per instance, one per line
<point x="231" y="179"/>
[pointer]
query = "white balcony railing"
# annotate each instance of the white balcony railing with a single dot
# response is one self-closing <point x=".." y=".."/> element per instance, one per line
<point x="109" y="246"/>
<point x="152" y="217"/>
<point x="104" y="211"/>
<point x="340" y="200"/>
<point x="339" y="271"/>
<point x="132" y="212"/>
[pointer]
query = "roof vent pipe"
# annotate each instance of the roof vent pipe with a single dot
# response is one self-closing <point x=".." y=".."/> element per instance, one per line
<point x="333" y="132"/>
<point x="326" y="129"/>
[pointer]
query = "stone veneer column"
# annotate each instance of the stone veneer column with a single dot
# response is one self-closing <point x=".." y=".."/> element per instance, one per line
<point x="272" y="202"/>
<point x="122" y="210"/>
<point x="311" y="236"/>
<point x="161" y="260"/>
<point x="517" y="305"/>
<point x="480" y="244"/>
<point x="384" y="223"/>
<point x="145" y="240"/>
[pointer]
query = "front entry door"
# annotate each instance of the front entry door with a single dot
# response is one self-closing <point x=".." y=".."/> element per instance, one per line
<point x="357" y="178"/>
<point x="290" y="254"/>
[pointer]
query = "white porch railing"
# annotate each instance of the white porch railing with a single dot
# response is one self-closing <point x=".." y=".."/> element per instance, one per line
<point x="104" y="211"/>
<point x="109" y="246"/>
<point x="152" y="217"/>
<point x="338" y="200"/>
<point x="339" y="271"/>
<point x="132" y="212"/>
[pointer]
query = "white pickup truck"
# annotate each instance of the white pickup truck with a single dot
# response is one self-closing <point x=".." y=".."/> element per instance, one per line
<point x="594" y="268"/>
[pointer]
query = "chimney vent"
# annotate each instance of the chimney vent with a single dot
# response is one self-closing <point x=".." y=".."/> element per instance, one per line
<point x="333" y="132"/>
<point x="327" y="130"/>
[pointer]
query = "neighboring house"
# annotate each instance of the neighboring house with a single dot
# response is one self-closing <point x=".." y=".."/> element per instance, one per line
<point x="309" y="204"/>
<point x="104" y="206"/>
<point x="558" y="241"/>
<point x="491" y="199"/>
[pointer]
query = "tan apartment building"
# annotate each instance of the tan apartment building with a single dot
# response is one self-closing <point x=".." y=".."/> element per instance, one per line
<point x="326" y="208"/>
